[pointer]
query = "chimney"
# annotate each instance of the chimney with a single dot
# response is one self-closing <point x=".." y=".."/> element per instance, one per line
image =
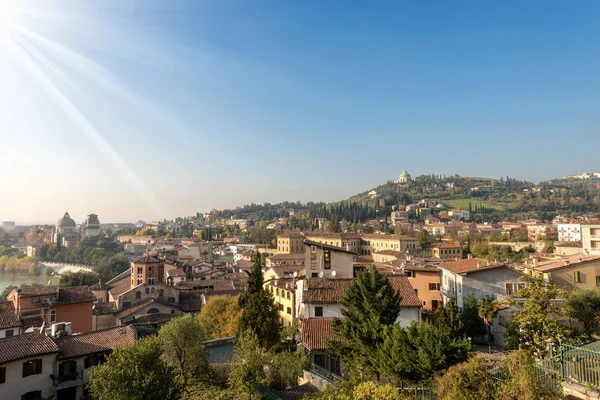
<point x="470" y="256"/>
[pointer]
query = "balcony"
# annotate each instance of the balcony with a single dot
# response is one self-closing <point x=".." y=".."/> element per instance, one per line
<point x="448" y="292"/>
<point x="67" y="381"/>
<point x="324" y="374"/>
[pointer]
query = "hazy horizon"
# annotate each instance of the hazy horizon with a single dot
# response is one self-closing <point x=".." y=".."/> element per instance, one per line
<point x="160" y="109"/>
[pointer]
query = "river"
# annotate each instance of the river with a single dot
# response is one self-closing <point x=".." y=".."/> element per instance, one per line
<point x="10" y="279"/>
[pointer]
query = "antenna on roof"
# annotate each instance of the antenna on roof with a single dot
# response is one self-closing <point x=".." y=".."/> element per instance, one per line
<point x="295" y="274"/>
<point x="320" y="274"/>
<point x="333" y="273"/>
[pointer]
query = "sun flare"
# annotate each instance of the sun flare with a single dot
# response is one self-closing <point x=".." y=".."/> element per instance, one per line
<point x="10" y="14"/>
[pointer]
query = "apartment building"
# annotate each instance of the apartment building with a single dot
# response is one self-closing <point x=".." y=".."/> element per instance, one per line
<point x="590" y="237"/>
<point x="290" y="243"/>
<point x="569" y="232"/>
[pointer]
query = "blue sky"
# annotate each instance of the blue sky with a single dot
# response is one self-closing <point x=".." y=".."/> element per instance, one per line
<point x="152" y="109"/>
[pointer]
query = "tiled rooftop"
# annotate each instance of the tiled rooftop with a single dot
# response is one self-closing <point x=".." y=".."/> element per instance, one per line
<point x="75" y="294"/>
<point x="314" y="332"/>
<point x="24" y="346"/>
<point x="95" y="342"/>
<point x="470" y="265"/>
<point x="8" y="317"/>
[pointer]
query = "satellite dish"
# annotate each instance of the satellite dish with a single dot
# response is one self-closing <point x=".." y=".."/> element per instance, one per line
<point x="295" y="274"/>
<point x="320" y="274"/>
<point x="333" y="274"/>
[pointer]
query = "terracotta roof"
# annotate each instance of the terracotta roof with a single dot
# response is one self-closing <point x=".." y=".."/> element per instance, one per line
<point x="138" y="306"/>
<point x="32" y="320"/>
<point x="75" y="346"/>
<point x="330" y="291"/>
<point x="147" y="259"/>
<point x="26" y="345"/>
<point x="31" y="291"/>
<point x="381" y="236"/>
<point x="327" y="246"/>
<point x="74" y="294"/>
<point x="389" y="252"/>
<point x="98" y="286"/>
<point x="573" y="261"/>
<point x="568" y="244"/>
<point x="290" y="235"/>
<point x="292" y="256"/>
<point x="298" y="392"/>
<point x="470" y="265"/>
<point x="8" y="316"/>
<point x="591" y="222"/>
<point x="105" y="308"/>
<point x="177" y="272"/>
<point x="119" y="287"/>
<point x="152" y="319"/>
<point x="314" y="332"/>
<point x="347" y="235"/>
<point x="286" y="271"/>
<point x="446" y="246"/>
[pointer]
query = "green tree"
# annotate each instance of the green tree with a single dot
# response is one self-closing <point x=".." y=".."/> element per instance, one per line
<point x="584" y="306"/>
<point x="425" y="237"/>
<point x="449" y="321"/>
<point x="466" y="381"/>
<point x="419" y="352"/>
<point x="182" y="339"/>
<point x="520" y="379"/>
<point x="255" y="280"/>
<point x="373" y="391"/>
<point x="284" y="369"/>
<point x="261" y="316"/>
<point x="473" y="324"/>
<point x="220" y="316"/>
<point x="6" y="291"/>
<point x="369" y="304"/>
<point x="488" y="309"/>
<point x="79" y="278"/>
<point x="248" y="364"/>
<point x="536" y="327"/>
<point x="134" y="372"/>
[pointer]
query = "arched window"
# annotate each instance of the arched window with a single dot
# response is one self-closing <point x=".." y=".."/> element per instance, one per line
<point x="138" y="295"/>
<point x="161" y="293"/>
<point x="153" y="311"/>
<point x="147" y="290"/>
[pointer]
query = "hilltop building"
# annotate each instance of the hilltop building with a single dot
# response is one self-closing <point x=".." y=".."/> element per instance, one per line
<point x="404" y="177"/>
<point x="91" y="227"/>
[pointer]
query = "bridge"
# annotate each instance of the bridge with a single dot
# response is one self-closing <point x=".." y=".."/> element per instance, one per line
<point x="61" y="268"/>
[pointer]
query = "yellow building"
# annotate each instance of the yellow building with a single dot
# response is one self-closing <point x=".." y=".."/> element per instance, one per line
<point x="371" y="243"/>
<point x="284" y="295"/>
<point x="348" y="241"/>
<point x="290" y="243"/>
<point x="446" y="250"/>
<point x="572" y="273"/>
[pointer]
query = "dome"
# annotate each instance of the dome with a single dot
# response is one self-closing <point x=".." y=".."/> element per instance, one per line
<point x="404" y="173"/>
<point x="66" y="221"/>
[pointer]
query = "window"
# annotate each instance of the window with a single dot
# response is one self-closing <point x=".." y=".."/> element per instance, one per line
<point x="509" y="289"/>
<point x="53" y="316"/>
<point x="576" y="276"/>
<point x="140" y="270"/>
<point x="434" y="304"/>
<point x="318" y="311"/>
<point x="597" y="280"/>
<point x="92" y="361"/>
<point x="280" y="307"/>
<point x="147" y="290"/>
<point x="127" y="304"/>
<point x="35" y="395"/>
<point x="138" y="294"/>
<point x="277" y="292"/>
<point x="2" y="375"/>
<point x="150" y="281"/>
<point x="521" y="285"/>
<point x="172" y="311"/>
<point x="417" y="292"/>
<point x="171" y="300"/>
<point x="32" y="367"/>
<point x="288" y="295"/>
<point x="289" y="310"/>
<point x="35" y="299"/>
<point x="151" y="269"/>
<point x="9" y="332"/>
<point x="410" y="274"/>
<point x="314" y="275"/>
<point x="459" y="287"/>
<point x="434" y="286"/>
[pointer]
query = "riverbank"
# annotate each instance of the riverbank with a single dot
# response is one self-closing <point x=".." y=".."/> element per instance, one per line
<point x="7" y="279"/>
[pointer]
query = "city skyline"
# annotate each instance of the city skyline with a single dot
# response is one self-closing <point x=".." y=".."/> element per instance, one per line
<point x="172" y="108"/>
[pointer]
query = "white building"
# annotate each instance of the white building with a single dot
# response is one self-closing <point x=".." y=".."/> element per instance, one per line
<point x="404" y="177"/>
<point x="569" y="232"/>
<point x="91" y="226"/>
<point x="460" y="214"/>
<point x="590" y="237"/>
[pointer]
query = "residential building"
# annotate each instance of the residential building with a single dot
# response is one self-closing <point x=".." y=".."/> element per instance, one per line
<point x="283" y="259"/>
<point x="37" y="305"/>
<point x="284" y="296"/>
<point x="328" y="261"/>
<point x="479" y="277"/>
<point x="348" y="241"/>
<point x="79" y="354"/>
<point x="10" y="325"/>
<point x="460" y="214"/>
<point x="572" y="273"/>
<point x="542" y="232"/>
<point x="590" y="237"/>
<point x="568" y="248"/>
<point x="569" y="232"/>
<point x="26" y="363"/>
<point x="384" y="256"/>
<point x="425" y="279"/>
<point x="371" y="243"/>
<point x="290" y="242"/>
<point x="446" y="250"/>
